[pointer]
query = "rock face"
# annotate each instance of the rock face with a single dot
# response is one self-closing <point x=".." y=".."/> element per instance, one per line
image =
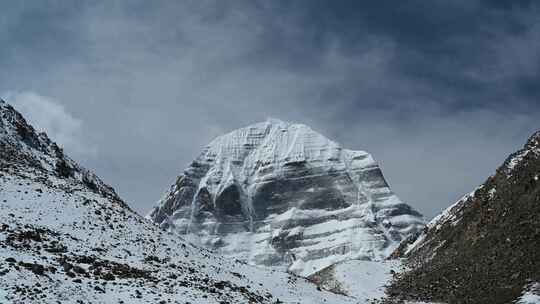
<point x="281" y="194"/>
<point x="485" y="247"/>
<point x="66" y="237"/>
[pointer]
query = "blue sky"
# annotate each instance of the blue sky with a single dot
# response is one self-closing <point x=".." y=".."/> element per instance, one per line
<point x="440" y="92"/>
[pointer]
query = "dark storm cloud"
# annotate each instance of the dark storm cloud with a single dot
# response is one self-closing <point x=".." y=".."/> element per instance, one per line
<point x="444" y="44"/>
<point x="439" y="92"/>
<point x="38" y="33"/>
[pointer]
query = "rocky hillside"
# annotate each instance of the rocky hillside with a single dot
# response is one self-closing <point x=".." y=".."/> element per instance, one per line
<point x="485" y="248"/>
<point x="23" y="148"/>
<point x="280" y="194"/>
<point x="66" y="237"/>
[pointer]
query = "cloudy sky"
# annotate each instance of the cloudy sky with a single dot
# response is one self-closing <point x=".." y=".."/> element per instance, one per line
<point x="440" y="92"/>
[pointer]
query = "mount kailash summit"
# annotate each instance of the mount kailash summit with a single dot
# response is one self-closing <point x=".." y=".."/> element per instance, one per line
<point x="273" y="194"/>
<point x="66" y="237"/>
<point x="280" y="194"/>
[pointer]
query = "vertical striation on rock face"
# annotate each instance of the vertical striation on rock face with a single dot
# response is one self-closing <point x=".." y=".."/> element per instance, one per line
<point x="280" y="194"/>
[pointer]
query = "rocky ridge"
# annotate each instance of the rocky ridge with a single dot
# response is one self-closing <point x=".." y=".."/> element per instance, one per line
<point x="23" y="147"/>
<point x="484" y="248"/>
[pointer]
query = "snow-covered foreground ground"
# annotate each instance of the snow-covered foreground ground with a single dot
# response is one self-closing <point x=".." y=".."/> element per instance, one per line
<point x="62" y="242"/>
<point x="362" y="280"/>
<point x="365" y="280"/>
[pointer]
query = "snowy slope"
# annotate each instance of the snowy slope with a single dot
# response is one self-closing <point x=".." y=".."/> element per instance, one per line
<point x="531" y="295"/>
<point x="363" y="280"/>
<point x="66" y="237"/>
<point x="282" y="195"/>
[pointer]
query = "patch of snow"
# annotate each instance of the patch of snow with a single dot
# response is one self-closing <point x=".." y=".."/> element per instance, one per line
<point x="128" y="242"/>
<point x="531" y="295"/>
<point x="3" y="296"/>
<point x="416" y="244"/>
<point x="492" y="192"/>
<point x="365" y="280"/>
<point x="517" y="159"/>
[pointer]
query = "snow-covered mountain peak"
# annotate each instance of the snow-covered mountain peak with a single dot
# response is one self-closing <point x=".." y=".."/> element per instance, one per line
<point x="271" y="141"/>
<point x="274" y="130"/>
<point x="281" y="194"/>
<point x="65" y="237"/>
